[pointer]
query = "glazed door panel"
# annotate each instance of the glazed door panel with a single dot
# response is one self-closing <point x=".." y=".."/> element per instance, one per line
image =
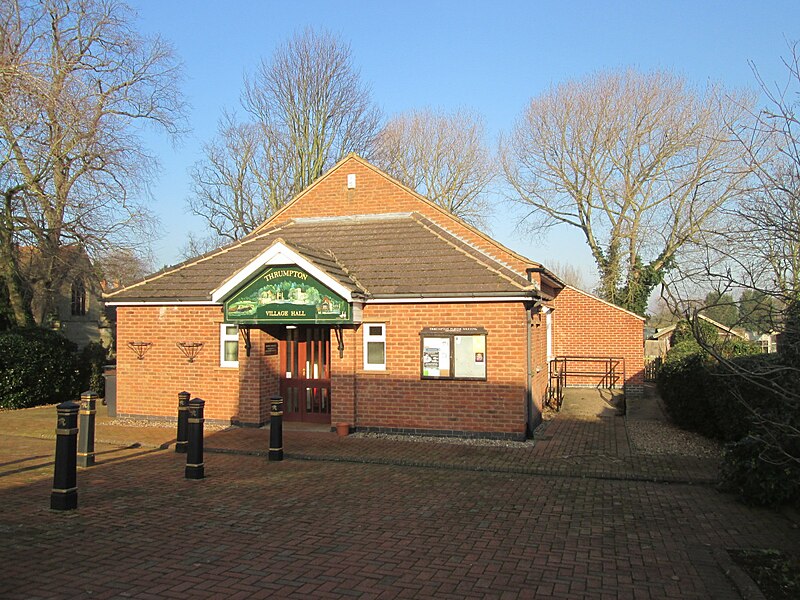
<point x="305" y="374"/>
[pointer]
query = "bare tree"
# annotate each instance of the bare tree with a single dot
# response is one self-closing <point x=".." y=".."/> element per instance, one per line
<point x="121" y="267"/>
<point x="755" y="244"/>
<point x="570" y="274"/>
<point x="307" y="108"/>
<point x="242" y="180"/>
<point x="76" y="80"/>
<point x="755" y="248"/>
<point x="312" y="99"/>
<point x="442" y="156"/>
<point x="14" y="291"/>
<point x="661" y="314"/>
<point x="757" y="311"/>
<point x="639" y="162"/>
<point x="722" y="308"/>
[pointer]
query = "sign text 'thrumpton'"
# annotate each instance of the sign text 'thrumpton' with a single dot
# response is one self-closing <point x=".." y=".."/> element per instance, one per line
<point x="285" y="273"/>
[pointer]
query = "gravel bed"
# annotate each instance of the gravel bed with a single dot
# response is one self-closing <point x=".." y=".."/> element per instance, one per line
<point x="646" y="437"/>
<point x="126" y="422"/>
<point x="661" y="438"/>
<point x="457" y="441"/>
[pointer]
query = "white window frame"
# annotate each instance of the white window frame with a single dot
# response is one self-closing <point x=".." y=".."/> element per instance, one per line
<point x="374" y="338"/>
<point x="224" y="336"/>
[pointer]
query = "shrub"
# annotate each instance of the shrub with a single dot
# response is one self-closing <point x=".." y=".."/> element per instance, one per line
<point x="742" y="391"/>
<point x="697" y="391"/>
<point x="37" y="366"/>
<point x="789" y="344"/>
<point x="684" y="333"/>
<point x="763" y="467"/>
<point x="683" y="383"/>
<point x="759" y="475"/>
<point x="749" y="400"/>
<point x="736" y="348"/>
<point x="681" y="333"/>
<point x="6" y="314"/>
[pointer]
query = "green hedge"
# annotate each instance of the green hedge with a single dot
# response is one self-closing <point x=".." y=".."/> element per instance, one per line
<point x="697" y="392"/>
<point x="759" y="474"/>
<point x="757" y="466"/>
<point x="684" y="384"/>
<point x="37" y="366"/>
<point x="739" y="404"/>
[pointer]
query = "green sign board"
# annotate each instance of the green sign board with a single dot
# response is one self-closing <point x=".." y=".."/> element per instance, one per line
<point x="286" y="295"/>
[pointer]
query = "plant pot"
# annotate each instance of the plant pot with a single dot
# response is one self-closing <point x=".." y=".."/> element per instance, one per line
<point x="343" y="429"/>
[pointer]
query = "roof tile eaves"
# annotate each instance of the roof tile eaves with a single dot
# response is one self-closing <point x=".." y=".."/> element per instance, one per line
<point x="196" y="260"/>
<point x="432" y="226"/>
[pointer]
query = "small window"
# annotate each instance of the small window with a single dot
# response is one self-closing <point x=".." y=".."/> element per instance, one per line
<point x="228" y="345"/>
<point x="453" y="353"/>
<point x="375" y="346"/>
<point x="78" y="307"/>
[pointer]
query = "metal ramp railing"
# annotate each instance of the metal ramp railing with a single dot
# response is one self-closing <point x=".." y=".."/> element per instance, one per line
<point x="607" y="371"/>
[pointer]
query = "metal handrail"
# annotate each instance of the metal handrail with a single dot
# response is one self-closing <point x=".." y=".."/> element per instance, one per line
<point x="560" y="374"/>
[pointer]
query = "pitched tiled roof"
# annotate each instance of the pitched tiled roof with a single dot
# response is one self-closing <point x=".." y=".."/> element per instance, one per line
<point x="391" y="255"/>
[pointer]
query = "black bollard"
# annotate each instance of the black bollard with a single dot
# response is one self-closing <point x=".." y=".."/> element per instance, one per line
<point x="65" y="483"/>
<point x="86" y="429"/>
<point x="195" y="467"/>
<point x="183" y="415"/>
<point x="276" y="428"/>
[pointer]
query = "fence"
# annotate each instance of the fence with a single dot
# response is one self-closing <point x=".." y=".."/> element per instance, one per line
<point x="652" y="365"/>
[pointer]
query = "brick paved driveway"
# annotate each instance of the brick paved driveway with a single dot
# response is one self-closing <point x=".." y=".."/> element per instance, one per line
<point x="324" y="529"/>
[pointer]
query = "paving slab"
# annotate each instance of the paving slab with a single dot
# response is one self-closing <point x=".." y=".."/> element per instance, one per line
<point x="583" y="402"/>
<point x="574" y="513"/>
<point x="577" y="443"/>
<point x="647" y="407"/>
<point x="298" y="529"/>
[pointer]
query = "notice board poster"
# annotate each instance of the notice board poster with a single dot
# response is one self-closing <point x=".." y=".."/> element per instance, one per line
<point x="470" y="356"/>
<point x="436" y="357"/>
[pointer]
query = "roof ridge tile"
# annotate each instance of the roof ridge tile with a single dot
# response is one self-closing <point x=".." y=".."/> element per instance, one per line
<point x="348" y="272"/>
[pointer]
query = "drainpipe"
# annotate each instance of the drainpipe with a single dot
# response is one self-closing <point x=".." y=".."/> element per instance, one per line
<point x="529" y="369"/>
<point x="355" y="376"/>
<point x="528" y="390"/>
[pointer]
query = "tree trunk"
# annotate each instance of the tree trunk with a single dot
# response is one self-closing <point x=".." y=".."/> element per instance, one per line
<point x="9" y="268"/>
<point x="9" y="271"/>
<point x="20" y="309"/>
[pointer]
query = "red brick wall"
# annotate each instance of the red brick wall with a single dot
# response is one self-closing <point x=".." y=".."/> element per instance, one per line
<point x="586" y="326"/>
<point x="395" y="398"/>
<point x="150" y="386"/>
<point x="399" y="398"/>
<point x="258" y="379"/>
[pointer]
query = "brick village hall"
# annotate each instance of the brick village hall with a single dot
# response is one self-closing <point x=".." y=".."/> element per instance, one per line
<point x="362" y="302"/>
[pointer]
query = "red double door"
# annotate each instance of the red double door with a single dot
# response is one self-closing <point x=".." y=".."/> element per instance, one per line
<point x="306" y="374"/>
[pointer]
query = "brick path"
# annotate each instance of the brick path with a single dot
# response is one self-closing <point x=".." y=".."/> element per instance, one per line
<point x="574" y="515"/>
<point x="565" y="447"/>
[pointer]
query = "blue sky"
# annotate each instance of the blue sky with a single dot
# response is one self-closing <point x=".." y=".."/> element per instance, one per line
<point x="489" y="56"/>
